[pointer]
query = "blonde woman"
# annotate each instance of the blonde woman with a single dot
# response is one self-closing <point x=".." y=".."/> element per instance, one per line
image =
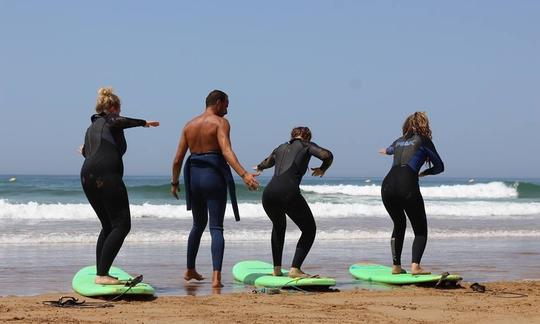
<point x="401" y="192"/>
<point x="101" y="178"/>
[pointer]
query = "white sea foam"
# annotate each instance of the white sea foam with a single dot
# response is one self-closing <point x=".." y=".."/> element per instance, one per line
<point x="491" y="190"/>
<point x="439" y="209"/>
<point x="252" y="236"/>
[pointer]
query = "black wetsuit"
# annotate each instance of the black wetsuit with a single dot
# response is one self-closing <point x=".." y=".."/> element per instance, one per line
<point x="101" y="178"/>
<point x="282" y="195"/>
<point x="401" y="192"/>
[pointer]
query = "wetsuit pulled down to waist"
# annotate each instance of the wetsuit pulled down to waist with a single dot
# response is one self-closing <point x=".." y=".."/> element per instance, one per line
<point x="206" y="178"/>
<point x="207" y="164"/>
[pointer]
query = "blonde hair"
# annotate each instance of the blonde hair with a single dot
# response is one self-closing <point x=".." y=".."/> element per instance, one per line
<point x="417" y="123"/>
<point x="106" y="100"/>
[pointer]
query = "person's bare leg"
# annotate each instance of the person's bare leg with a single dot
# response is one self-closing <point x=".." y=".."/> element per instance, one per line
<point x="216" y="279"/>
<point x="416" y="269"/>
<point x="192" y="274"/>
<point x="277" y="271"/>
<point x="107" y="280"/>
<point x="397" y="269"/>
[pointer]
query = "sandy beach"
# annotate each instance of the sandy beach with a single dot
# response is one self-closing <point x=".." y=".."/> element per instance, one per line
<point x="503" y="302"/>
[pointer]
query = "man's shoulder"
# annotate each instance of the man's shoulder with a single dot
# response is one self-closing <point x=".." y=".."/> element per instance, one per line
<point x="206" y="121"/>
<point x="216" y="120"/>
<point x="200" y="118"/>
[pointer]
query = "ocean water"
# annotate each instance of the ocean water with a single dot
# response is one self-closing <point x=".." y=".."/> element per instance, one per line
<point x="485" y="230"/>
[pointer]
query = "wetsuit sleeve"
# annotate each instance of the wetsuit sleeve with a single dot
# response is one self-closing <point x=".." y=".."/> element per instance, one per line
<point x="125" y="122"/>
<point x="322" y="154"/>
<point x="429" y="148"/>
<point x="268" y="162"/>
<point x="390" y="149"/>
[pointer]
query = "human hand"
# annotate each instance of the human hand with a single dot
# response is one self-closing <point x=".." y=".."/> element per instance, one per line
<point x="81" y="149"/>
<point x="175" y="189"/>
<point x="317" y="172"/>
<point x="421" y="174"/>
<point x="152" y="124"/>
<point x="382" y="151"/>
<point x="250" y="181"/>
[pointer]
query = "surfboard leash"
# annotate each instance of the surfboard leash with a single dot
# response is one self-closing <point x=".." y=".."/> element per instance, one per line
<point x="295" y="287"/>
<point x="130" y="284"/>
<point x="72" y="302"/>
<point x="279" y="290"/>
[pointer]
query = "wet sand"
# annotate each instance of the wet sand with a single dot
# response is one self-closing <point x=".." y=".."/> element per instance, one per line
<point x="29" y="270"/>
<point x="503" y="302"/>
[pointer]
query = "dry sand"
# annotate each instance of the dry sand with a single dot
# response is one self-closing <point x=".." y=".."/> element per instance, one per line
<point x="503" y="302"/>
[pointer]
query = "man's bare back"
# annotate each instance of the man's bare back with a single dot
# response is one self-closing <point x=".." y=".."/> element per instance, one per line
<point x="202" y="133"/>
<point x="209" y="132"/>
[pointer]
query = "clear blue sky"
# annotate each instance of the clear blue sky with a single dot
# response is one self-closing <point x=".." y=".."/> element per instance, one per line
<point x="350" y="70"/>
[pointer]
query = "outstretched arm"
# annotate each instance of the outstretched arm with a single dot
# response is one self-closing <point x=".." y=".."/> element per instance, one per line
<point x="389" y="150"/>
<point x="224" y="141"/>
<point x="177" y="164"/>
<point x="267" y="163"/>
<point x="125" y="122"/>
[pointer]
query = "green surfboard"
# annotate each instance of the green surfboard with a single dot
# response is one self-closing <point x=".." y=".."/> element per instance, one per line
<point x="258" y="273"/>
<point x="83" y="284"/>
<point x="383" y="274"/>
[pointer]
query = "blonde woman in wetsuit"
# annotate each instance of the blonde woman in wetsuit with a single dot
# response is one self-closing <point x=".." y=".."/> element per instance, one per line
<point x="101" y="178"/>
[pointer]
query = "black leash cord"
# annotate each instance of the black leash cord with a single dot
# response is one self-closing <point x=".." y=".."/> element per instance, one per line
<point x="72" y="302"/>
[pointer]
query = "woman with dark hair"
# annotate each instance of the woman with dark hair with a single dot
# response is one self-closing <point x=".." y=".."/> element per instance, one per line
<point x="401" y="191"/>
<point x="282" y="195"/>
<point x="101" y="178"/>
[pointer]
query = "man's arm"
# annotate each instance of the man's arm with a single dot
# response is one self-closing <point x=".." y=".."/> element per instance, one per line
<point x="177" y="163"/>
<point x="223" y="136"/>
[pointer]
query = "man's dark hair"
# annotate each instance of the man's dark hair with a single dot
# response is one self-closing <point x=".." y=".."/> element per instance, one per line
<point x="214" y="96"/>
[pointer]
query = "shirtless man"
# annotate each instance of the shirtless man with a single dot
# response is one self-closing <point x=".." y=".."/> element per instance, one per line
<point x="206" y="177"/>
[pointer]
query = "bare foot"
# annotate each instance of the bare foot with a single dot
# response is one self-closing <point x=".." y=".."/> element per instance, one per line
<point x="397" y="269"/>
<point x="107" y="280"/>
<point x="277" y="272"/>
<point x="297" y="273"/>
<point x="416" y="269"/>
<point x="192" y="274"/>
<point x="216" y="279"/>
